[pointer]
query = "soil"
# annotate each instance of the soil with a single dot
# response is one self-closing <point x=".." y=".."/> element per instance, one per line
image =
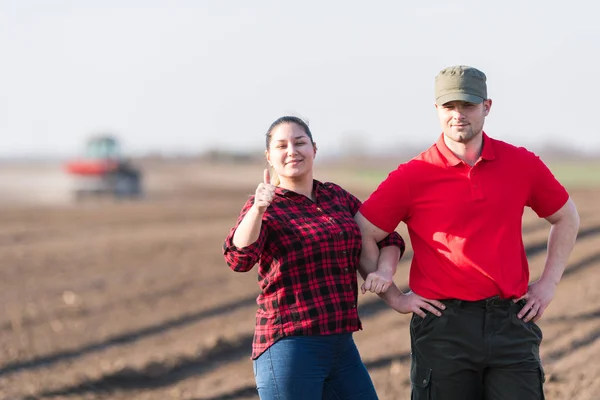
<point x="109" y="299"/>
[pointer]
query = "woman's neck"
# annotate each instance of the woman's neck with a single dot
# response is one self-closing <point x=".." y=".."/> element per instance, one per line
<point x="302" y="186"/>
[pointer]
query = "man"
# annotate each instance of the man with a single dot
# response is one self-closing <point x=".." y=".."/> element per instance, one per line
<point x="473" y="331"/>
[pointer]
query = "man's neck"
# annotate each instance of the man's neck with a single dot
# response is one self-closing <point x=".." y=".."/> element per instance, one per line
<point x="469" y="152"/>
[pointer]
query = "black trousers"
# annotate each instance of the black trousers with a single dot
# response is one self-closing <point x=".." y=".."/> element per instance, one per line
<point x="476" y="351"/>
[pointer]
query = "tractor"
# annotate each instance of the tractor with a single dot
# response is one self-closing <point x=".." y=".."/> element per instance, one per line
<point x="104" y="171"/>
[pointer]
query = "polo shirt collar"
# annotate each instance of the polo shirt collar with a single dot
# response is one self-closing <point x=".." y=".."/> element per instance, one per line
<point x="487" y="153"/>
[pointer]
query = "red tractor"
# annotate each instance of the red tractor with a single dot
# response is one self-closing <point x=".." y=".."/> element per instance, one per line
<point x="103" y="171"/>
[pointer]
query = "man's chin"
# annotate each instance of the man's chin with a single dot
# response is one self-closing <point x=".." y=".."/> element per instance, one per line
<point x="461" y="137"/>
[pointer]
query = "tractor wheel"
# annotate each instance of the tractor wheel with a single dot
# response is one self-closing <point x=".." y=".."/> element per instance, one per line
<point x="127" y="186"/>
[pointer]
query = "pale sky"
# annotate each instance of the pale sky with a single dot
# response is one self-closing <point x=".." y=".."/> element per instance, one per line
<point x="190" y="75"/>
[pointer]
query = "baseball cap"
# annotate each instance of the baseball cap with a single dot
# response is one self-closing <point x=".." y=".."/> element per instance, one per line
<point x="460" y="82"/>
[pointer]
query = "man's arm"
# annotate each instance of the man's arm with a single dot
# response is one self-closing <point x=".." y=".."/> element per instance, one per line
<point x="371" y="234"/>
<point x="563" y="232"/>
<point x="565" y="225"/>
<point x="378" y="271"/>
<point x="369" y="258"/>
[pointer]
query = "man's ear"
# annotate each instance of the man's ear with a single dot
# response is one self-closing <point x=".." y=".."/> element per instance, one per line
<point x="487" y="105"/>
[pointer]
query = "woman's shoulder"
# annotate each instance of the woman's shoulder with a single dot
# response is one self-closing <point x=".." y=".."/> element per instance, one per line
<point x="332" y="186"/>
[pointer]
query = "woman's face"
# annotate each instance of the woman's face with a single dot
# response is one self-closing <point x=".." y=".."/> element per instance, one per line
<point x="291" y="152"/>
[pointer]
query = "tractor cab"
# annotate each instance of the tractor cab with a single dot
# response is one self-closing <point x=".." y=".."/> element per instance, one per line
<point x="103" y="148"/>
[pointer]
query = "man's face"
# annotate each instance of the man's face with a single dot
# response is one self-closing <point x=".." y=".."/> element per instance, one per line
<point x="462" y="121"/>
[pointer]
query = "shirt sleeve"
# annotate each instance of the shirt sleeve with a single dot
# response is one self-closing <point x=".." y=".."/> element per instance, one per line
<point x="389" y="203"/>
<point x="393" y="239"/>
<point x="243" y="259"/>
<point x="547" y="195"/>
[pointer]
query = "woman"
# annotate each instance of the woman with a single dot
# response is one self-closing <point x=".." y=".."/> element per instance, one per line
<point x="302" y="234"/>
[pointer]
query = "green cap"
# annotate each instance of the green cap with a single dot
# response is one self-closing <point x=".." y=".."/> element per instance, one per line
<point x="460" y="82"/>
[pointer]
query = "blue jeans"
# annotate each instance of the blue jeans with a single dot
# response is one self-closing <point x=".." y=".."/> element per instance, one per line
<point x="313" y="368"/>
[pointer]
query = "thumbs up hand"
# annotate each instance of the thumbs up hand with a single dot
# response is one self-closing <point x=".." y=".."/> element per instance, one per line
<point x="264" y="193"/>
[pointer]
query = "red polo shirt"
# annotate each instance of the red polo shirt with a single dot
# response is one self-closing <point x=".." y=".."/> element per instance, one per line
<point x="465" y="222"/>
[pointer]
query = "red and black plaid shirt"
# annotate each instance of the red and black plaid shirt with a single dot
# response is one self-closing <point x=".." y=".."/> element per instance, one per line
<point x="307" y="255"/>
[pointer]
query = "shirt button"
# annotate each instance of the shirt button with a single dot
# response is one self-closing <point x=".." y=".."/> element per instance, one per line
<point x="319" y="209"/>
<point x="341" y="233"/>
<point x="353" y="305"/>
<point x="346" y="269"/>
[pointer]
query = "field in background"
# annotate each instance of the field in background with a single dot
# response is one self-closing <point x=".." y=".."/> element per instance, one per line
<point x="571" y="173"/>
<point x="124" y="300"/>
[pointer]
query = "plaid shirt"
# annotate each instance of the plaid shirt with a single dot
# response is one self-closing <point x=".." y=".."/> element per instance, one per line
<point x="307" y="255"/>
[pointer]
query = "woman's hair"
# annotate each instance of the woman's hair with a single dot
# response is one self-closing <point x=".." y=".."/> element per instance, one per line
<point x="287" y="119"/>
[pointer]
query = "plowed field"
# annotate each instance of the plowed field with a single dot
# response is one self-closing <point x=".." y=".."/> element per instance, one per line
<point x="132" y="300"/>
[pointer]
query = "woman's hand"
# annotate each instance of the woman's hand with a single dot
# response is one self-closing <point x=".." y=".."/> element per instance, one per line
<point x="264" y="193"/>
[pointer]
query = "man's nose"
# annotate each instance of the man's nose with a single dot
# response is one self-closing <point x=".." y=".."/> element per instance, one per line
<point x="458" y="113"/>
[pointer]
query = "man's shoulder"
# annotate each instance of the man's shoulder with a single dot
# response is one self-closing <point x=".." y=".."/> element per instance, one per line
<point x="418" y="165"/>
<point x="430" y="156"/>
<point x="509" y="150"/>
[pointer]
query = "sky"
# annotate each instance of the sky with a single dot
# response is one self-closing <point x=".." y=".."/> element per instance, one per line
<point x="189" y="76"/>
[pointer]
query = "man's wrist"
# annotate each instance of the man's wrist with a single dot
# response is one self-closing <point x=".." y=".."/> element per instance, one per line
<point x="392" y="295"/>
<point x="549" y="279"/>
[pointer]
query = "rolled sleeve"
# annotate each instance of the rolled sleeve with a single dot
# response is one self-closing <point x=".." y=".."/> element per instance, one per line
<point x="393" y="239"/>
<point x="243" y="259"/>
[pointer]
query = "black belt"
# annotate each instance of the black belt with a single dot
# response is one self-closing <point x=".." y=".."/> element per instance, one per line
<point x="495" y="301"/>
